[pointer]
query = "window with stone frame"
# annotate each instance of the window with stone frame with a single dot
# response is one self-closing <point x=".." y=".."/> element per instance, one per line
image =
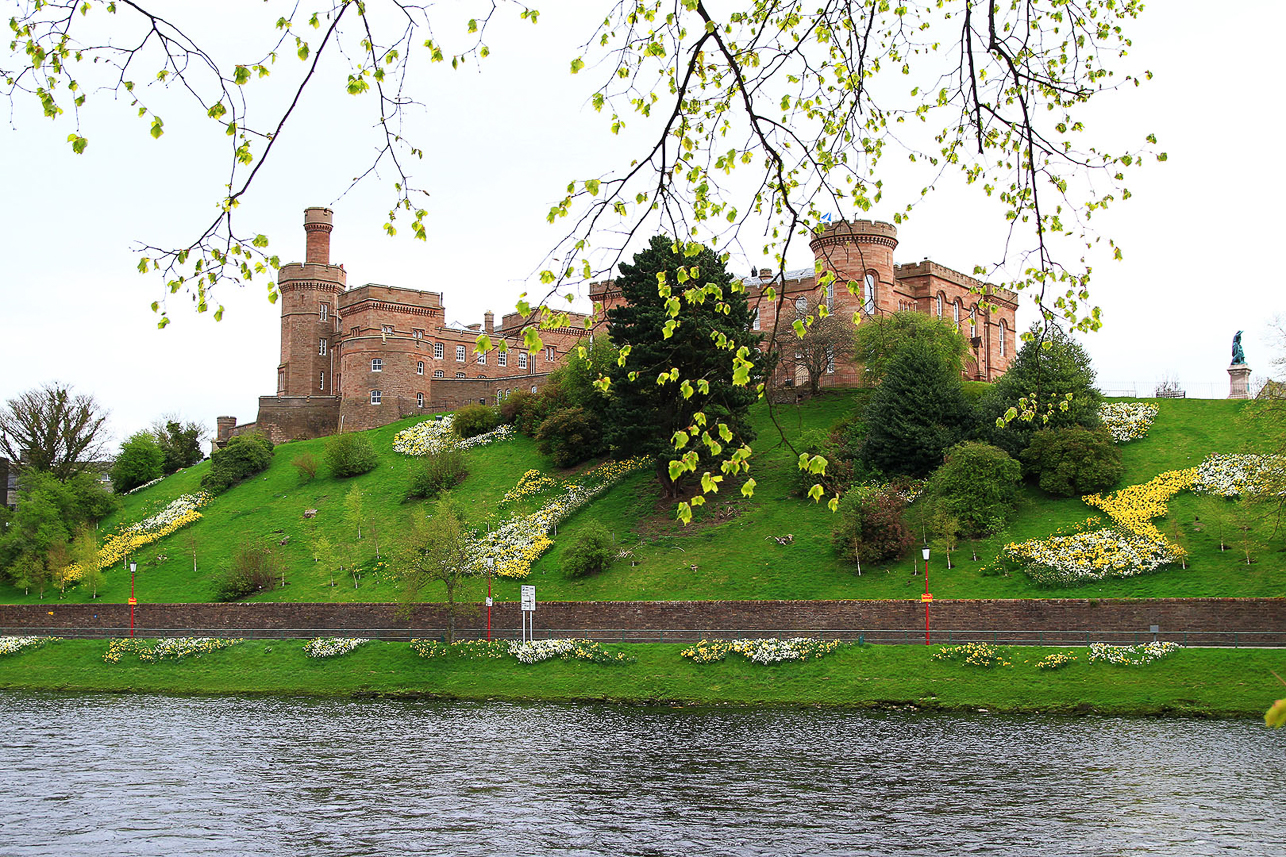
<point x="522" y="359"/>
<point x="386" y="329"/>
<point x="375" y="397"/>
<point x="461" y="375"/>
<point x="419" y="400"/>
<point x="417" y="334"/>
<point x="459" y="354"/>
<point x="939" y="304"/>
<point x="438" y="373"/>
<point x="437" y="351"/>
<point x="419" y="367"/>
<point x="324" y="311"/>
<point x="321" y="383"/>
<point x="502" y="358"/>
<point x="377" y="364"/>
<point x="868" y="293"/>
<point x="321" y="347"/>
<point x="482" y="358"/>
<point x="754" y="319"/>
<point x="1001" y="336"/>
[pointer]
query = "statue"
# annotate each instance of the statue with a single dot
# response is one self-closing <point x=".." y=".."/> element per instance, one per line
<point x="1238" y="356"/>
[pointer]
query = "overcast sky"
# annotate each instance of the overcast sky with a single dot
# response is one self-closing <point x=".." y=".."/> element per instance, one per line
<point x="1200" y="235"/>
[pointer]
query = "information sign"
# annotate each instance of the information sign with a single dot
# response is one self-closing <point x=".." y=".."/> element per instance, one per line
<point x="529" y="599"/>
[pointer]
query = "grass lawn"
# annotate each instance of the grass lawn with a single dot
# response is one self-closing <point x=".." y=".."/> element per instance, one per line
<point x="1202" y="682"/>
<point x="729" y="552"/>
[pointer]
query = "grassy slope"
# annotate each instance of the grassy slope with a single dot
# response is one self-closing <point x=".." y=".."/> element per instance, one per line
<point x="1212" y="682"/>
<point x="726" y="554"/>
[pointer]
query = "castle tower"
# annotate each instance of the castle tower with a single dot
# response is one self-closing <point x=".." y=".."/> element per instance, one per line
<point x="309" y="317"/>
<point x="860" y="253"/>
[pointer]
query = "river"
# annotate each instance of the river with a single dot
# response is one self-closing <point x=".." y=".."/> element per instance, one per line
<point x="156" y="775"/>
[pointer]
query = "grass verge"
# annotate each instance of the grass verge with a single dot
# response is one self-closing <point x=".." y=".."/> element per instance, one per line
<point x="1190" y="682"/>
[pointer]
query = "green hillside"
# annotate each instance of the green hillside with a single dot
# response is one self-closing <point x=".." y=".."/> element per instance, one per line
<point x="729" y="552"/>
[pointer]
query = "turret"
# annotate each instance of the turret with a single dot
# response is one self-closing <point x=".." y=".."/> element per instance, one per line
<point x="317" y="225"/>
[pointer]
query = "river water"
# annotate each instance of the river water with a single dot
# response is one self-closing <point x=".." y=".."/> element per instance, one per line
<point x="154" y="775"/>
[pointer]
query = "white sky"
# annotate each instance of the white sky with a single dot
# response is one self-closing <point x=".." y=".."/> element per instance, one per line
<point x="1198" y="235"/>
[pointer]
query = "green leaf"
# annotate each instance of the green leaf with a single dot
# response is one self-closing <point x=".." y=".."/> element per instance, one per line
<point x="577" y="65"/>
<point x="748" y="490"/>
<point x="684" y="514"/>
<point x="157" y="130"/>
<point x="816" y="493"/>
<point x="1275" y="717"/>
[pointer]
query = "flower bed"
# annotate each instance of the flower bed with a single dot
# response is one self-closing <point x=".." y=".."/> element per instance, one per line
<point x="974" y="655"/>
<point x="13" y="645"/>
<point x="332" y="647"/>
<point x="1234" y="475"/>
<point x="519" y="542"/>
<point x="531" y="652"/>
<point x="530" y="484"/>
<point x="166" y="648"/>
<point x="1133" y="508"/>
<point x="1139" y="655"/>
<point x="177" y="515"/>
<point x="1090" y="556"/>
<point x="769" y="651"/>
<point x="1056" y="661"/>
<point x="1127" y="421"/>
<point x="471" y="649"/>
<point x="436" y="435"/>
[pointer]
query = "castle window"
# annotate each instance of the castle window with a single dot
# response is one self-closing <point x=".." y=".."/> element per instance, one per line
<point x="973" y="320"/>
<point x="939" y="304"/>
<point x="417" y="334"/>
<point x="460" y="375"/>
<point x="1002" y="337"/>
<point x="533" y="389"/>
<point x="437" y="351"/>
<point x="386" y="329"/>
<point x="459" y="354"/>
<point x="830" y="361"/>
<point x="321" y="347"/>
<point x="549" y="353"/>
<point x="801" y="306"/>
<point x="419" y="400"/>
<point x="324" y="311"/>
<point x="754" y="319"/>
<point x="377" y="365"/>
<point x="522" y="359"/>
<point x="419" y="367"/>
<point x="502" y="358"/>
<point x="482" y="358"/>
<point x="830" y="295"/>
<point x="321" y="385"/>
<point x="438" y="373"/>
<point x="868" y="294"/>
<point x="955" y="312"/>
<point x="375" y="397"/>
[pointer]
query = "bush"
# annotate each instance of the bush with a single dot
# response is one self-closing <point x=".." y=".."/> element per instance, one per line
<point x="141" y="460"/>
<point x="977" y="488"/>
<point x="591" y="552"/>
<point x="514" y="405"/>
<point x="1072" y="461"/>
<point x="473" y="420"/>
<point x="255" y="568"/>
<point x="571" y="436"/>
<point x="306" y="464"/>
<point x="350" y="455"/>
<point x="438" y="472"/>
<point x="244" y="456"/>
<point x="869" y="526"/>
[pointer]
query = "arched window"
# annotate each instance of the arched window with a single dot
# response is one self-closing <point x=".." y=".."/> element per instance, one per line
<point x="801" y="306"/>
<point x="939" y="304"/>
<point x="830" y="295"/>
<point x="1002" y="337"/>
<point x="868" y="294"/>
<point x="955" y="312"/>
<point x="419" y="400"/>
<point x="973" y="320"/>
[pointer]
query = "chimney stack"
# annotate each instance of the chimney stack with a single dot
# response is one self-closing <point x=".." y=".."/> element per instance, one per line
<point x="317" y="226"/>
<point x="489" y="321"/>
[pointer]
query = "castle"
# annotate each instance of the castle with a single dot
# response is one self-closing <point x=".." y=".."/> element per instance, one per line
<point x="360" y="358"/>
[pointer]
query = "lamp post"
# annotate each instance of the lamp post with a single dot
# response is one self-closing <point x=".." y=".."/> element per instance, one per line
<point x="133" y="566"/>
<point x="927" y="597"/>
<point x="491" y="563"/>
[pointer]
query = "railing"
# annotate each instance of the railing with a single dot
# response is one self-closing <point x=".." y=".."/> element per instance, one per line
<point x="878" y="636"/>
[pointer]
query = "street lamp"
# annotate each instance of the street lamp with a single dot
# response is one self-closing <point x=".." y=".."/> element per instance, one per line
<point x="927" y="597"/>
<point x="491" y="563"/>
<point x="133" y="566"/>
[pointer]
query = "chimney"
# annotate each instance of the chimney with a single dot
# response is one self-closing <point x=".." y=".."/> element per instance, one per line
<point x="489" y="321"/>
<point x="765" y="274"/>
<point x="317" y="226"/>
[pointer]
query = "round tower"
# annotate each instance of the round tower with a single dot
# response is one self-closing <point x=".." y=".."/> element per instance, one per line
<point x="309" y="318"/>
<point x="860" y="253"/>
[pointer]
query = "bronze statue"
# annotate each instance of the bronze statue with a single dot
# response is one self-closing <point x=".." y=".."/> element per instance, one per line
<point x="1238" y="356"/>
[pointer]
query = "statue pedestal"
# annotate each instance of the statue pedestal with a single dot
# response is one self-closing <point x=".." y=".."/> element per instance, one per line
<point x="1239" y="381"/>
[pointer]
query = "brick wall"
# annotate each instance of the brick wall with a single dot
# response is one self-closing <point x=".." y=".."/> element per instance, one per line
<point x="1211" y="621"/>
<point x="284" y="418"/>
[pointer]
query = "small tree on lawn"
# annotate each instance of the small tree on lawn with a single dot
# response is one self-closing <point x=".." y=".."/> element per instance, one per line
<point x="871" y="526"/>
<point x="591" y="552"/>
<point x="190" y="542"/>
<point x="946" y="530"/>
<point x="435" y="550"/>
<point x="85" y="553"/>
<point x="1244" y="521"/>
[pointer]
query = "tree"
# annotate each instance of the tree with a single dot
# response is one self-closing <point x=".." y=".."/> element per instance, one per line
<point x="917" y="413"/>
<point x="180" y="442"/>
<point x="881" y="337"/>
<point x="355" y="513"/>
<point x="870" y="525"/>
<point x="590" y="552"/>
<point x="826" y="339"/>
<point x="47" y="516"/>
<point x="86" y="555"/>
<point x="807" y="97"/>
<point x="53" y="430"/>
<point x="652" y="412"/>
<point x="242" y="457"/>
<point x="141" y="460"/>
<point x="1050" y="384"/>
<point x="977" y="486"/>
<point x="1073" y="460"/>
<point x="570" y="436"/>
<point x="350" y="454"/>
<point x="435" y="550"/>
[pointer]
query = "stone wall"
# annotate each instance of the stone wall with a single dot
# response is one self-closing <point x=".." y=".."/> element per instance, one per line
<point x="1197" y="621"/>
<point x="284" y="418"/>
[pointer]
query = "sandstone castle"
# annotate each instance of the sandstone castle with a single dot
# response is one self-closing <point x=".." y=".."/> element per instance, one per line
<point x="359" y="358"/>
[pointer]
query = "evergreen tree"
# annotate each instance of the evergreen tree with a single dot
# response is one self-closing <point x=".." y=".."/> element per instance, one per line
<point x="918" y="412"/>
<point x="141" y="460"/>
<point x="644" y="416"/>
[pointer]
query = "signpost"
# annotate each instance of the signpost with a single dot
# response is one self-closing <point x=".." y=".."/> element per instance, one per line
<point x="528" y="611"/>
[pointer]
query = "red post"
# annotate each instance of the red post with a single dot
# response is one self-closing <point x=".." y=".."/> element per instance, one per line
<point x="926" y="601"/>
<point x="488" y="606"/>
<point x="132" y="599"/>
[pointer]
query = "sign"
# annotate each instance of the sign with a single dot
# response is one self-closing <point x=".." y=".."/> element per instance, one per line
<point x="529" y="599"/>
<point x="926" y="597"/>
<point x="488" y="600"/>
<point x="133" y="600"/>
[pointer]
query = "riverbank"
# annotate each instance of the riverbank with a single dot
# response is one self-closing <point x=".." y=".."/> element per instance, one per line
<point x="1189" y="682"/>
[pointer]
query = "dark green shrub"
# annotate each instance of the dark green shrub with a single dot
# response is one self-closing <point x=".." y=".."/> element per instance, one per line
<point x="180" y="442"/>
<point x="256" y="567"/>
<point x="514" y="405"/>
<point x="591" y="552"/>
<point x="141" y="460"/>
<point x="474" y="420"/>
<point x="1073" y="461"/>
<point x="977" y="488"/>
<point x="244" y="456"/>
<point x="306" y="464"/>
<point x="869" y="526"/>
<point x="350" y="455"/>
<point x="571" y="436"/>
<point x="437" y="472"/>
